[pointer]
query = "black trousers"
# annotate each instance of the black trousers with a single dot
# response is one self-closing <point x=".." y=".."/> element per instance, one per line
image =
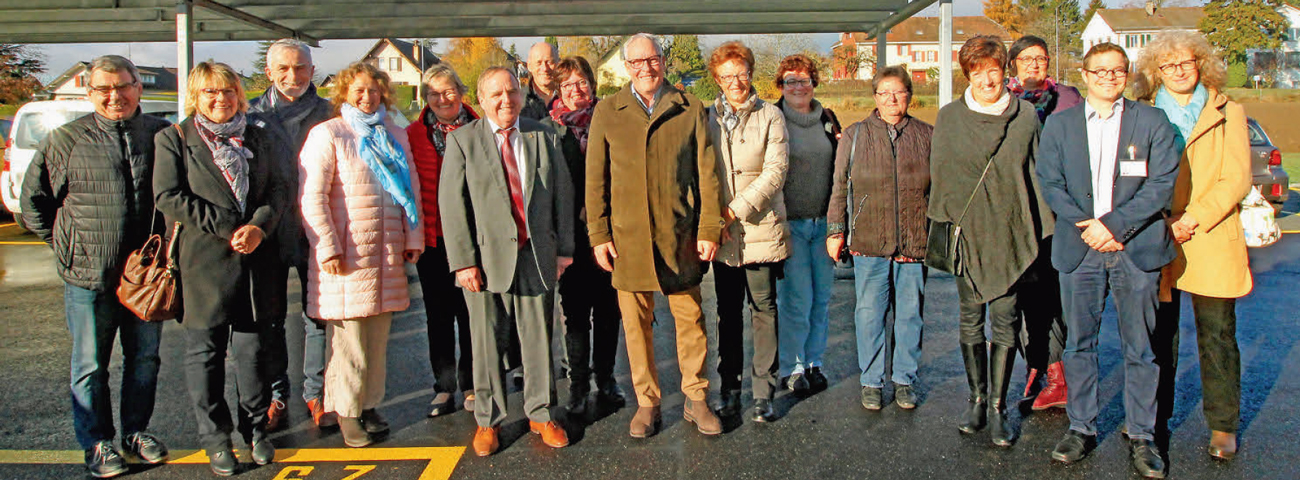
<point x="1216" y="341"/>
<point x="448" y="323"/>
<point x="592" y="322"/>
<point x="205" y="379"/>
<point x="733" y="285"/>
<point x="271" y="305"/>
<point x="1003" y="316"/>
<point x="1042" y="341"/>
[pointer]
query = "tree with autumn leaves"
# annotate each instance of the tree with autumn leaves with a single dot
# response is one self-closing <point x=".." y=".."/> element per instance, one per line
<point x="19" y="66"/>
<point x="470" y="56"/>
<point x="1234" y="26"/>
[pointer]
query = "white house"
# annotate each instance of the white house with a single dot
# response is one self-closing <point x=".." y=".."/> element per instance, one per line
<point x="400" y="59"/>
<point x="1280" y="68"/>
<point x="915" y="43"/>
<point x="610" y="69"/>
<point x="1132" y="28"/>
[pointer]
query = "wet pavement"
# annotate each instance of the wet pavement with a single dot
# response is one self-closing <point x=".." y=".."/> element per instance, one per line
<point x="827" y="435"/>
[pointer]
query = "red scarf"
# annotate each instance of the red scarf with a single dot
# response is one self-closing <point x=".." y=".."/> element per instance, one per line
<point x="578" y="121"/>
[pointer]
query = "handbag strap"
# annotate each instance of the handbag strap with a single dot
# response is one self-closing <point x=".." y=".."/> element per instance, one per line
<point x="993" y="155"/>
<point x="176" y="226"/>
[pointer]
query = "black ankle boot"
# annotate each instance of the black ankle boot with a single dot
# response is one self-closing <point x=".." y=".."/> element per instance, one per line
<point x="976" y="359"/>
<point x="1001" y="361"/>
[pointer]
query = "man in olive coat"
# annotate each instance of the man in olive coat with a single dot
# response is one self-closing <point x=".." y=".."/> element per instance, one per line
<point x="656" y="223"/>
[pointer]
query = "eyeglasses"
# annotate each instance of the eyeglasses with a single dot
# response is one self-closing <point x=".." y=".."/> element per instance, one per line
<point x="1040" y="60"/>
<point x="217" y="92"/>
<point x="109" y="89"/>
<point x="895" y="95"/>
<point x="1183" y="66"/>
<point x="578" y="85"/>
<point x="797" y="82"/>
<point x="644" y="63"/>
<point x="1112" y="73"/>
<point x="447" y="94"/>
<point x="729" y="79"/>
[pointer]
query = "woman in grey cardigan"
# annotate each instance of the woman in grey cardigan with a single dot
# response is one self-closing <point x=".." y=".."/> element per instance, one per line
<point x="982" y="164"/>
<point x="877" y="210"/>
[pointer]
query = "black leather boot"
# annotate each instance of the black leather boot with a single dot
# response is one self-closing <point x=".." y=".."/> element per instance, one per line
<point x="976" y="359"/>
<point x="1001" y="361"/>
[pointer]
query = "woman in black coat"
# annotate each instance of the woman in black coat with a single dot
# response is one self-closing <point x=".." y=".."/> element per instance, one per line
<point x="214" y="174"/>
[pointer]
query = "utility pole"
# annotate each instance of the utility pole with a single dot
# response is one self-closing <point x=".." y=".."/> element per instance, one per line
<point x="1057" y="13"/>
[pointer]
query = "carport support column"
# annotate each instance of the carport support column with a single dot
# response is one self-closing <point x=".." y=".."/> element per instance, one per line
<point x="882" y="60"/>
<point x="184" y="52"/>
<point x="945" y="52"/>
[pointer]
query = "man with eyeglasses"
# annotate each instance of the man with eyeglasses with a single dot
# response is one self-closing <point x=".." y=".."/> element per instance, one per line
<point x="88" y="193"/>
<point x="288" y="110"/>
<point x="1107" y="169"/>
<point x="653" y="217"/>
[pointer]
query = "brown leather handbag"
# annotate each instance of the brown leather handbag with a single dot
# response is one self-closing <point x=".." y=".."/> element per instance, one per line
<point x="151" y="284"/>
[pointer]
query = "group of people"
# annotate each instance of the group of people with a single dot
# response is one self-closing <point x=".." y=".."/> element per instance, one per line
<point x="1057" y="202"/>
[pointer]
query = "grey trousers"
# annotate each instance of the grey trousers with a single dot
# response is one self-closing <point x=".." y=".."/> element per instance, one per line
<point x="527" y="306"/>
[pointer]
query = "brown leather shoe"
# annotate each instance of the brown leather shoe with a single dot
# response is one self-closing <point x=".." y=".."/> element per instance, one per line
<point x="703" y="418"/>
<point x="646" y="422"/>
<point x="553" y="435"/>
<point x="485" y="441"/>
<point x="275" y="415"/>
<point x="1223" y="445"/>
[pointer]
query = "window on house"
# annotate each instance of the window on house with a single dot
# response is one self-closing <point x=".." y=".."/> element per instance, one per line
<point x="931" y="56"/>
<point x="395" y="64"/>
<point x="148" y="80"/>
<point x="1293" y="34"/>
<point x="79" y="81"/>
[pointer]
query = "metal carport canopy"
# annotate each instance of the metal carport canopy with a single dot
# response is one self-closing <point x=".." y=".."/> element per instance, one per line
<point x="88" y="21"/>
<point x="187" y="21"/>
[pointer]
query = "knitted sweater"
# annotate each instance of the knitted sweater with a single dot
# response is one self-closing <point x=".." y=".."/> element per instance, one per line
<point x="812" y="162"/>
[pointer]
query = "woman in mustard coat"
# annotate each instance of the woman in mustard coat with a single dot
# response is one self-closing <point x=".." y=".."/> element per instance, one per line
<point x="1180" y="73"/>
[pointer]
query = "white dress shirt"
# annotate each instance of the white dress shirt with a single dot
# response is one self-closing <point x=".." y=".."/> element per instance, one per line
<point x="517" y="143"/>
<point x="1103" y="147"/>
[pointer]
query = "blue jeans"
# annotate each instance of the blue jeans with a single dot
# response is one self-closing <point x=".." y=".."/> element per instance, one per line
<point x="94" y="319"/>
<point x="1083" y="297"/>
<point x="803" y="298"/>
<point x="883" y="285"/>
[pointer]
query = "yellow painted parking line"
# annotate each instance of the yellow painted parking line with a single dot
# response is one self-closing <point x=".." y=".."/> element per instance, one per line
<point x="442" y="460"/>
<point x="10" y="224"/>
<point x="22" y="243"/>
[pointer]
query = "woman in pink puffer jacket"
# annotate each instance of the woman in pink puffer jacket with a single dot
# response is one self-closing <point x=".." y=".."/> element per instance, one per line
<point x="361" y="215"/>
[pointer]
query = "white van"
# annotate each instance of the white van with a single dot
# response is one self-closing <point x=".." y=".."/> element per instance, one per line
<point x="32" y="123"/>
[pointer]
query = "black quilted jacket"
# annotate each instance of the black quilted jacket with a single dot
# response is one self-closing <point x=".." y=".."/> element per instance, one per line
<point x="91" y="200"/>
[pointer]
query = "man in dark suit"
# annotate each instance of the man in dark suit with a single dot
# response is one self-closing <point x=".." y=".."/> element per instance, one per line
<point x="507" y="217"/>
<point x="1107" y="169"/>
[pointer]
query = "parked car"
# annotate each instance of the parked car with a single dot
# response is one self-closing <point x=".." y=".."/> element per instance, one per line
<point x="33" y="122"/>
<point x="1266" y="167"/>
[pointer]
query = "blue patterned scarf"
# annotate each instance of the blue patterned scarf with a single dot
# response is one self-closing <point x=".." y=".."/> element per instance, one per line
<point x="226" y="142"/>
<point x="1183" y="117"/>
<point x="384" y="156"/>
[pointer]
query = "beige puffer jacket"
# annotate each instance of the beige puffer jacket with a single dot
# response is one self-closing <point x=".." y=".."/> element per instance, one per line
<point x="346" y="213"/>
<point x="752" y="161"/>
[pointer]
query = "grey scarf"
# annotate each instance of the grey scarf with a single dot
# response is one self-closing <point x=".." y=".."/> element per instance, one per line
<point x="226" y="142"/>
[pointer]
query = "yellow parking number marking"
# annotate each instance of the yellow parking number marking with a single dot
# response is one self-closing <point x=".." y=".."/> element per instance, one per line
<point x="441" y="460"/>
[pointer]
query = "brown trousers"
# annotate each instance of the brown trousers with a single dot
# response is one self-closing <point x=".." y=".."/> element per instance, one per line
<point x="692" y="344"/>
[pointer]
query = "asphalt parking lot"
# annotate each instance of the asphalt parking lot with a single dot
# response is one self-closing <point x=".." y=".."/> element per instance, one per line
<point x="827" y="435"/>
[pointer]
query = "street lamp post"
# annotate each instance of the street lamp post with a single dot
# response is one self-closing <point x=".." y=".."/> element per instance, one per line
<point x="1057" y="12"/>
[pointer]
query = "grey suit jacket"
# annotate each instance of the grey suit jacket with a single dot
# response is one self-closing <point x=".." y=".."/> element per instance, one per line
<point x="474" y="202"/>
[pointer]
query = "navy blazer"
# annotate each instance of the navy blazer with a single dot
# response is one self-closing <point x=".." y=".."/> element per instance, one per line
<point x="1136" y="219"/>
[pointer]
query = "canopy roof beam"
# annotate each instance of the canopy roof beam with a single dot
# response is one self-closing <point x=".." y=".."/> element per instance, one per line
<point x="255" y="21"/>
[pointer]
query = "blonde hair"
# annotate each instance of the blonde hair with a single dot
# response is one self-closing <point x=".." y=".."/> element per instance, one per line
<point x="1212" y="71"/>
<point x="344" y="80"/>
<point x="212" y="75"/>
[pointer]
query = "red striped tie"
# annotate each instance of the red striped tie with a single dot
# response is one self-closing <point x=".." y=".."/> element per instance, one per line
<point x="516" y="188"/>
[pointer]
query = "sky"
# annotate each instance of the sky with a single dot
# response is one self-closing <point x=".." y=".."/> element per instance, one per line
<point x="333" y="55"/>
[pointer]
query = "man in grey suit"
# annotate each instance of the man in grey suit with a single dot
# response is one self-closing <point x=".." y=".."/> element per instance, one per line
<point x="505" y="197"/>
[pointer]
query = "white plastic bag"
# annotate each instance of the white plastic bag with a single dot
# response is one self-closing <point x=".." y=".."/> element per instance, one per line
<point x="1257" y="222"/>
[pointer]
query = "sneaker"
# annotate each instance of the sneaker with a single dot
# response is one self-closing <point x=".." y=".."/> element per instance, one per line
<point x="873" y="398"/>
<point x="146" y="447"/>
<point x="103" y="461"/>
<point x="797" y="383"/>
<point x="816" y="380"/>
<point x="322" y="418"/>
<point x="275" y="415"/>
<point x="904" y="396"/>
